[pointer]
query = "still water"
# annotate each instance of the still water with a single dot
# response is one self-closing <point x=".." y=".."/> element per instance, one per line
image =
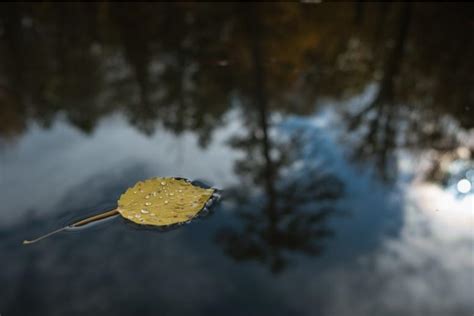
<point x="341" y="136"/>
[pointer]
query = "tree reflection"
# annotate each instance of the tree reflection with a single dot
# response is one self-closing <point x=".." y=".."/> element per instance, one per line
<point x="279" y="215"/>
<point x="398" y="117"/>
<point x="380" y="114"/>
<point x="183" y="64"/>
<point x="289" y="216"/>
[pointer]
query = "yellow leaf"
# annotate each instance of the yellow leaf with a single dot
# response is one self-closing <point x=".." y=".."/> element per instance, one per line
<point x="156" y="202"/>
<point x="163" y="201"/>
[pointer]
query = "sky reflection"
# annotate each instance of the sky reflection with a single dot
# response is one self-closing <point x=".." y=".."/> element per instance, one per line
<point x="401" y="246"/>
<point x="341" y="135"/>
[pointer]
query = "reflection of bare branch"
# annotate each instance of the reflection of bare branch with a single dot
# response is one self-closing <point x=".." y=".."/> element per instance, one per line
<point x="289" y="216"/>
<point x="379" y="140"/>
<point x="286" y="218"/>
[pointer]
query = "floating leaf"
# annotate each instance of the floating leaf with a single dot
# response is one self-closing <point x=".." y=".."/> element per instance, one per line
<point x="155" y="202"/>
<point x="163" y="202"/>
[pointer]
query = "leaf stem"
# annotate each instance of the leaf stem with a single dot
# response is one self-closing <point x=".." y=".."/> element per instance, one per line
<point x="80" y="223"/>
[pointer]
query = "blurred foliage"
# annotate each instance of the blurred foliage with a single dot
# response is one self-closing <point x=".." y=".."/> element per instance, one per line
<point x="183" y="65"/>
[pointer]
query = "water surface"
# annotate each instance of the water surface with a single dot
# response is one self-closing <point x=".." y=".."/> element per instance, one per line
<point x="340" y="134"/>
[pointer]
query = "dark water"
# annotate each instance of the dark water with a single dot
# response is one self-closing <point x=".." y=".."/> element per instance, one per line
<point x="340" y="134"/>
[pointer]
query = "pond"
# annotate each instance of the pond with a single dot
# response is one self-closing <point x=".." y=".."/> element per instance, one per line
<point x="340" y="134"/>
